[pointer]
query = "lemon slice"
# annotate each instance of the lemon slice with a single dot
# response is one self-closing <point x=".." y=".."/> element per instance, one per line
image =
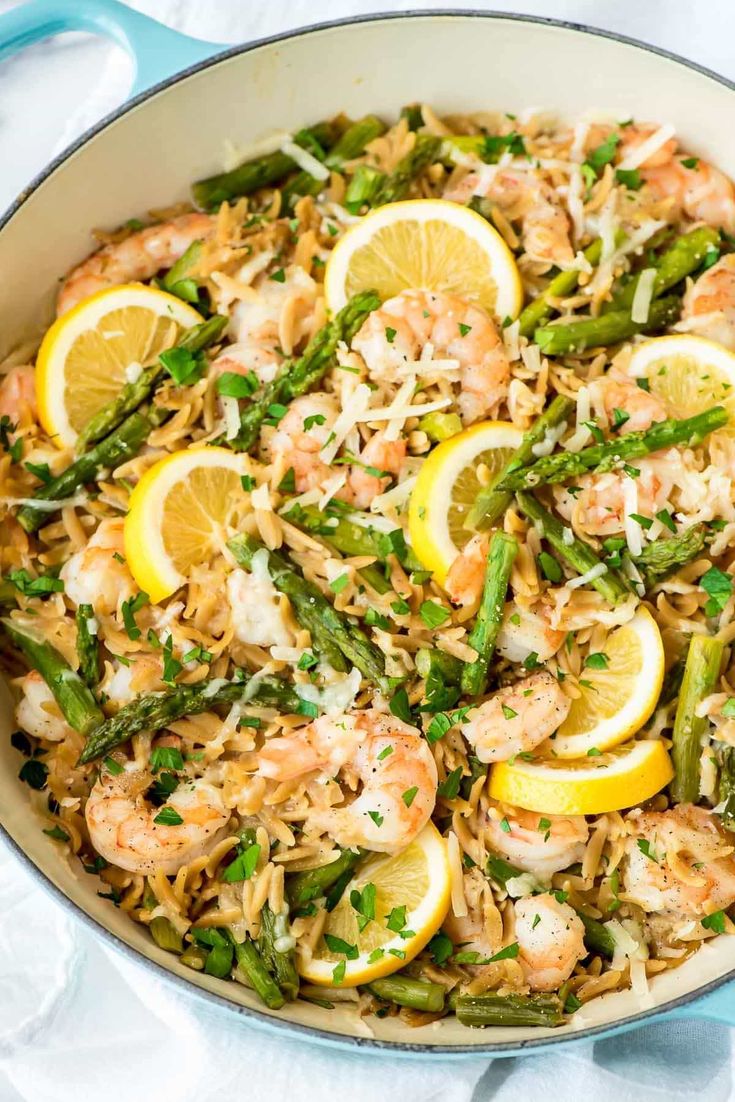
<point x="91" y="352"/>
<point x="689" y="373"/>
<point x="622" y="777"/>
<point x="181" y="513"/>
<point x="417" y="879"/>
<point x="447" y="486"/>
<point x="428" y="245"/>
<point x="616" y="698"/>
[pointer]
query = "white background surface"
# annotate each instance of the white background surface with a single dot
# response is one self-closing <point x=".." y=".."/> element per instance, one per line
<point x="79" y="1023"/>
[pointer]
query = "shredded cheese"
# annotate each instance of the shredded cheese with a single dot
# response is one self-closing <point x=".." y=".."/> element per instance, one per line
<point x="643" y="295"/>
<point x="305" y="160"/>
<point x="331" y="487"/>
<point x="632" y="529"/>
<point x="594" y="572"/>
<point x="550" y="440"/>
<point x="641" y="153"/>
<point x="232" y="416"/>
<point x="391" y="499"/>
<point x="352" y="412"/>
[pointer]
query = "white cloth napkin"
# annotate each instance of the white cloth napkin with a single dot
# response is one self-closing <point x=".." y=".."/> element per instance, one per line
<point x="77" y="1020"/>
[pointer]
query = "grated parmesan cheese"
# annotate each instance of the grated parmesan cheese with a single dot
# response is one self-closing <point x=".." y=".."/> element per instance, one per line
<point x="133" y="371"/>
<point x="234" y="155"/>
<point x="352" y="412"/>
<point x="603" y="275"/>
<point x="550" y="440"/>
<point x="646" y="149"/>
<point x="232" y="416"/>
<point x="643" y="295"/>
<point x="595" y="572"/>
<point x="331" y="487"/>
<point x="395" y="497"/>
<point x="305" y="160"/>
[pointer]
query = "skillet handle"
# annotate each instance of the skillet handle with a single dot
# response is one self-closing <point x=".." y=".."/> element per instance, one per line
<point x="718" y="1006"/>
<point x="156" y="51"/>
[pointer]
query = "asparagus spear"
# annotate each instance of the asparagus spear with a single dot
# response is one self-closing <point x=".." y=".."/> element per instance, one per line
<point x="251" y="964"/>
<point x="618" y="325"/>
<point x="252" y="175"/>
<point x="347" y="536"/>
<point x="700" y="677"/>
<point x="491" y="502"/>
<point x="296" y="377"/>
<point x="152" y="711"/>
<point x="8" y="592"/>
<point x="577" y="554"/>
<point x="501" y="555"/>
<point x="78" y="706"/>
<point x="281" y="963"/>
<point x="614" y="453"/>
<point x="87" y="646"/>
<point x="376" y="188"/>
<point x="508" y="1010"/>
<point x="350" y="145"/>
<point x="727" y="785"/>
<point x="340" y="641"/>
<point x="540" y="310"/>
<point x="165" y="935"/>
<point x="680" y="260"/>
<point x="406" y="991"/>
<point x="662" y="557"/>
<point x="121" y="445"/>
<point x="597" y="938"/>
<point x="302" y="887"/>
<point x="134" y="394"/>
<point x="177" y="280"/>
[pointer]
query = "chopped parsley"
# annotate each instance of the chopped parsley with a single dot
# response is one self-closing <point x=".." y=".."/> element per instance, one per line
<point x="443" y="722"/>
<point x="718" y="587"/>
<point x="376" y="817"/>
<point x="396" y="920"/>
<point x="449" y="788"/>
<point x="231" y="384"/>
<point x="364" y="903"/>
<point x="441" y="948"/>
<point x="646" y="849"/>
<point x="400" y="706"/>
<point x="433" y="614"/>
<point x="34" y="774"/>
<point x="183" y="366"/>
<point x="603" y="154"/>
<point x="171" y="666"/>
<point x="630" y="178"/>
<point x="339" y="945"/>
<point x="496" y="144"/>
<point x="666" y="519"/>
<point x="166" y="757"/>
<point x="550" y="568"/>
<point x="244" y="864"/>
<point x="598" y="660"/>
<point x="129" y="609"/>
<point x="410" y="795"/>
<point x="508" y="713"/>
<point x="715" y="922"/>
<point x="168" y="816"/>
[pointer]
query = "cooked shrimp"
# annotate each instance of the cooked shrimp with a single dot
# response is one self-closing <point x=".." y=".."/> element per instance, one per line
<point x="466" y="575"/>
<point x="263" y="360"/>
<point x="631" y="138"/>
<point x="98" y="574"/>
<point x="399" y="332"/>
<point x="679" y="860"/>
<point x="390" y="758"/>
<point x="703" y="192"/>
<point x="517" y="718"/>
<point x="18" y="393"/>
<point x="601" y="502"/>
<point x="539" y="844"/>
<point x="37" y="711"/>
<point x="379" y="454"/>
<point x="256" y="606"/>
<point x="523" y="632"/>
<point x="138" y="257"/>
<point x="123" y="830"/>
<point x="617" y="391"/>
<point x="123" y="683"/>
<point x="280" y="313"/>
<point x="301" y="435"/>
<point x="550" y="938"/>
<point x="544" y="224"/>
<point x="709" y="304"/>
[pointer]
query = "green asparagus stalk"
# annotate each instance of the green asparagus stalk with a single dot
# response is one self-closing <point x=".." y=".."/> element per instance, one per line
<point x="727" y="785"/>
<point x="165" y="935"/>
<point x="134" y="394"/>
<point x="252" y="175"/>
<point x="577" y="554"/>
<point x="614" y="453"/>
<point x="303" y="887"/>
<point x="540" y="310"/>
<point x="508" y="1010"/>
<point x="618" y="325"/>
<point x="340" y="641"/>
<point x="177" y="280"/>
<point x="78" y="706"/>
<point x="152" y="711"/>
<point x="121" y="445"/>
<point x="347" y="536"/>
<point x="87" y="646"/>
<point x="351" y="144"/>
<point x="252" y="965"/>
<point x="597" y="938"/>
<point x="396" y="184"/>
<point x="406" y="991"/>
<point x="701" y="672"/>
<point x="280" y="961"/>
<point x="442" y="674"/>
<point x="680" y="260"/>
<point x="662" y="557"/>
<point x="491" y="502"/>
<point x="297" y="377"/>
<point x="500" y="558"/>
<point x="363" y="188"/>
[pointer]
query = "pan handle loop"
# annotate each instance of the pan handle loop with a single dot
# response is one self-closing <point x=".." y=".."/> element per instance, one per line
<point x="157" y="51"/>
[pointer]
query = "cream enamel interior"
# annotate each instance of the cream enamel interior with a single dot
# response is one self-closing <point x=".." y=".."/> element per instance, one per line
<point x="148" y="157"/>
